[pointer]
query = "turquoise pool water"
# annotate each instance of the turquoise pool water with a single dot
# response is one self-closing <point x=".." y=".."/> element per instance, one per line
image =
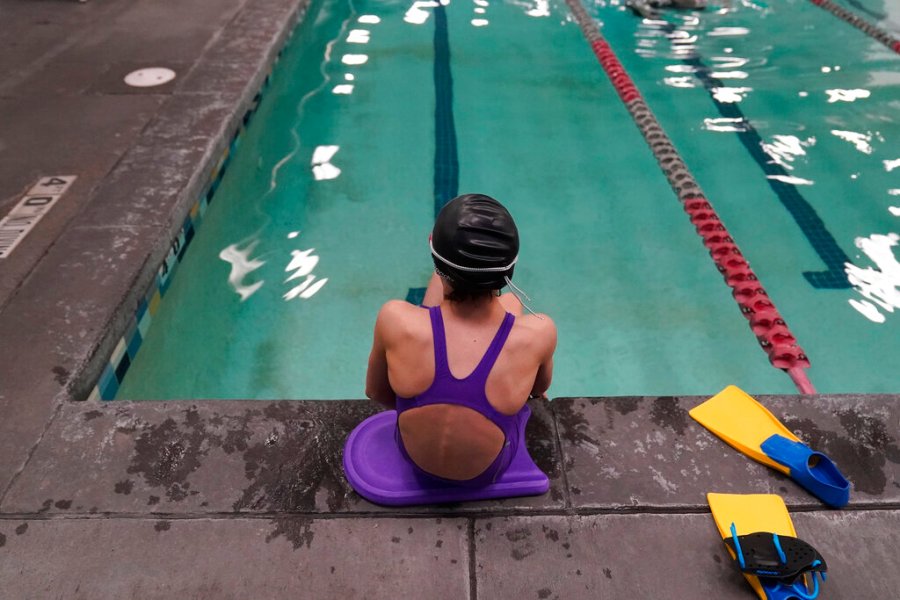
<point x="324" y="212"/>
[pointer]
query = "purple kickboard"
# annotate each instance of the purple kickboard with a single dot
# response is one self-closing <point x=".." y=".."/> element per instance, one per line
<point x="379" y="473"/>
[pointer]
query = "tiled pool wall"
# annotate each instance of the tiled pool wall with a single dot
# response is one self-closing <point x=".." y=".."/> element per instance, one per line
<point x="127" y="346"/>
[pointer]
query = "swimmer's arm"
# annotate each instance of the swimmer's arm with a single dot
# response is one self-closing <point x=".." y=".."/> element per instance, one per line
<point x="378" y="386"/>
<point x="542" y="380"/>
<point x="547" y="340"/>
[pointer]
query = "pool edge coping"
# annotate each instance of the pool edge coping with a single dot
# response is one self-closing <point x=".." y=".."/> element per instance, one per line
<point x="251" y="457"/>
<point x="110" y="346"/>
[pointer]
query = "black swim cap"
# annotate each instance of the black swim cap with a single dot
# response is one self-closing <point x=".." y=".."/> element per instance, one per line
<point x="475" y="242"/>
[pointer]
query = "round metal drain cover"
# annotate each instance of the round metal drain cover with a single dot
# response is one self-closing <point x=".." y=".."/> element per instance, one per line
<point x="150" y="77"/>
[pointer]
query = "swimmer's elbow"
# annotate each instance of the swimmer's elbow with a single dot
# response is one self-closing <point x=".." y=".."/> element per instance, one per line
<point x="540" y="387"/>
<point x="543" y="378"/>
<point x="385" y="398"/>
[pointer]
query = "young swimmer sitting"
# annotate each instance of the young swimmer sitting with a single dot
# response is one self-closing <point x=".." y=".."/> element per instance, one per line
<point x="460" y="368"/>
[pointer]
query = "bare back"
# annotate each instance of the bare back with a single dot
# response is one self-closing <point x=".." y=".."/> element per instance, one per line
<point x="447" y="440"/>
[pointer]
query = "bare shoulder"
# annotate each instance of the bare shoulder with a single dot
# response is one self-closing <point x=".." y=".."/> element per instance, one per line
<point x="397" y="309"/>
<point x="398" y="318"/>
<point x="537" y="322"/>
<point x="540" y="328"/>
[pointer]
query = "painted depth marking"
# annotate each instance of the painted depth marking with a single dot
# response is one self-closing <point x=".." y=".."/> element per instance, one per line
<point x="34" y="205"/>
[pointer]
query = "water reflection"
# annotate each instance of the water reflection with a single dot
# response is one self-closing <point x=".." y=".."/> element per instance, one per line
<point x="541" y="9"/>
<point x="862" y="141"/>
<point x="755" y="5"/>
<point x="321" y="163"/>
<point x="355" y="59"/>
<point x="783" y="151"/>
<point x="785" y="148"/>
<point x="790" y="179"/>
<point x="358" y="36"/>
<point x="727" y="31"/>
<point x="728" y="74"/>
<point x="480" y="10"/>
<point x="322" y="168"/>
<point x="730" y="62"/>
<point x="416" y="14"/>
<point x="878" y="285"/>
<point x="680" y="82"/>
<point x="730" y="95"/>
<point x="682" y="40"/>
<point x="241" y="266"/>
<point x="681" y="68"/>
<point x="302" y="264"/>
<point x="838" y="95"/>
<point x="726" y="124"/>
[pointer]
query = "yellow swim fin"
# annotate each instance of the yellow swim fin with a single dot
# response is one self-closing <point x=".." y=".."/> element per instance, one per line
<point x="751" y="429"/>
<point x="742" y="422"/>
<point x="760" y="536"/>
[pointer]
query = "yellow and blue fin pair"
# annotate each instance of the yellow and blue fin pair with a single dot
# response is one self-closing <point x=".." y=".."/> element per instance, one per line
<point x="751" y="429"/>
<point x="759" y="535"/>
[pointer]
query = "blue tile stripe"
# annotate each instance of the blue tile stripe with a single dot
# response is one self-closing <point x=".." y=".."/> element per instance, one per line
<point x="136" y="331"/>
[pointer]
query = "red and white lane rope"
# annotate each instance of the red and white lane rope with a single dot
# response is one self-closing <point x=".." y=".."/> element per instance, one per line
<point x="871" y="30"/>
<point x="765" y="321"/>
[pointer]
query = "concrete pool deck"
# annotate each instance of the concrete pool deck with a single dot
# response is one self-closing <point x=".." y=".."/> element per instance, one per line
<point x="232" y="499"/>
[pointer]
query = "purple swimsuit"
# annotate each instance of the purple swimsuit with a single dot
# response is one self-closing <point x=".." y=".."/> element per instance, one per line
<point x="468" y="392"/>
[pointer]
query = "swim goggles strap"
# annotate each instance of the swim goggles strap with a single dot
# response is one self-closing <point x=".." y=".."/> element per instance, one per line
<point x="516" y="291"/>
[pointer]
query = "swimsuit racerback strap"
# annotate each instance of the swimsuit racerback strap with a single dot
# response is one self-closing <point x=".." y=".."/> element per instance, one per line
<point x="483" y="369"/>
<point x="441" y="363"/>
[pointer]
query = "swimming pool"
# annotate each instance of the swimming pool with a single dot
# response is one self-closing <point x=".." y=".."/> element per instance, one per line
<point x="379" y="111"/>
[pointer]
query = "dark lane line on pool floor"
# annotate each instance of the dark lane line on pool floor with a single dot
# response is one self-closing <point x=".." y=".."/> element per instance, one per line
<point x="803" y="213"/>
<point x="806" y="217"/>
<point x="446" y="158"/>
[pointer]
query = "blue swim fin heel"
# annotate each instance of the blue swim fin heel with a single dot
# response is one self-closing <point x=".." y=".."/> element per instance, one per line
<point x="776" y="590"/>
<point x="813" y="470"/>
